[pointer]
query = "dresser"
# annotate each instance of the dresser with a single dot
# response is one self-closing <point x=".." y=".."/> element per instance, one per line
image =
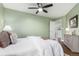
<point x="72" y="42"/>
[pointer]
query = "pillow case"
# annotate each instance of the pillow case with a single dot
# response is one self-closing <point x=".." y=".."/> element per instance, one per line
<point x="34" y="37"/>
<point x="4" y="39"/>
<point x="13" y="37"/>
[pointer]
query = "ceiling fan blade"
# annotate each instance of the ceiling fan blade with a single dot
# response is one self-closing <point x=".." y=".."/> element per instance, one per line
<point x="38" y="4"/>
<point x="33" y="8"/>
<point x="47" y="6"/>
<point x="45" y="11"/>
<point x="37" y="12"/>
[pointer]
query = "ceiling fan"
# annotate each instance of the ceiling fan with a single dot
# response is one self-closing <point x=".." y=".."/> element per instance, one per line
<point x="40" y="7"/>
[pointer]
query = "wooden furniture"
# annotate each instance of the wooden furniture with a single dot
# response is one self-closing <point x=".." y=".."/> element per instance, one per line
<point x="72" y="42"/>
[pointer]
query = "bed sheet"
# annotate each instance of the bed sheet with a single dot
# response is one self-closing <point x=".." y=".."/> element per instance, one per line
<point x="33" y="47"/>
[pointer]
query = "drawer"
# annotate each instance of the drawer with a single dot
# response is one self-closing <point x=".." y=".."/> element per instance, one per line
<point x="66" y="40"/>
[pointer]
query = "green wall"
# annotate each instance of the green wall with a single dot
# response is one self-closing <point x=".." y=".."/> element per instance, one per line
<point x="1" y="17"/>
<point x="25" y="24"/>
<point x="73" y="12"/>
<point x="63" y="25"/>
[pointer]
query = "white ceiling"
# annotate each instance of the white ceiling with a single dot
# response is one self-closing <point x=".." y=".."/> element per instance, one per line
<point x="56" y="11"/>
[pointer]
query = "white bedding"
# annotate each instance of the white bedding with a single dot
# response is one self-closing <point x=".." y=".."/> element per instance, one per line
<point x="33" y="47"/>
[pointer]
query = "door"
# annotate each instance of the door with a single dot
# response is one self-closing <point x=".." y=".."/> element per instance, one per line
<point x="56" y="29"/>
<point x="52" y="30"/>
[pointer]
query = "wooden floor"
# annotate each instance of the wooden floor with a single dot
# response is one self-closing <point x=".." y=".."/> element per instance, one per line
<point x="68" y="51"/>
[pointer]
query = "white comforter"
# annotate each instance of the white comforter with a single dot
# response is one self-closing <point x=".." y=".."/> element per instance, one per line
<point x="33" y="47"/>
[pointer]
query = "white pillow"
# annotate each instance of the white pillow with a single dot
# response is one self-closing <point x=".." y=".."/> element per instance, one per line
<point x="34" y="37"/>
<point x="13" y="38"/>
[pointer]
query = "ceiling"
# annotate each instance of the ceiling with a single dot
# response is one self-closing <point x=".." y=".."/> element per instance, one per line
<point x="56" y="11"/>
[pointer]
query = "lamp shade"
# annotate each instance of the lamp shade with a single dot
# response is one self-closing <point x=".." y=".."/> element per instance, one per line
<point x="7" y="28"/>
<point x="67" y="29"/>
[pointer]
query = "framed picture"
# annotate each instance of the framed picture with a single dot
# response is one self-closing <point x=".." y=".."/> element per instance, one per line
<point x="73" y="22"/>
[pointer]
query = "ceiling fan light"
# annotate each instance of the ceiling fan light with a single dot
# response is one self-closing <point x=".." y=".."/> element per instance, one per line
<point x="40" y="9"/>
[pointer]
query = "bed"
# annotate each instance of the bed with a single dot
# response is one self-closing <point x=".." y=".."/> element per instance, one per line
<point x="33" y="47"/>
